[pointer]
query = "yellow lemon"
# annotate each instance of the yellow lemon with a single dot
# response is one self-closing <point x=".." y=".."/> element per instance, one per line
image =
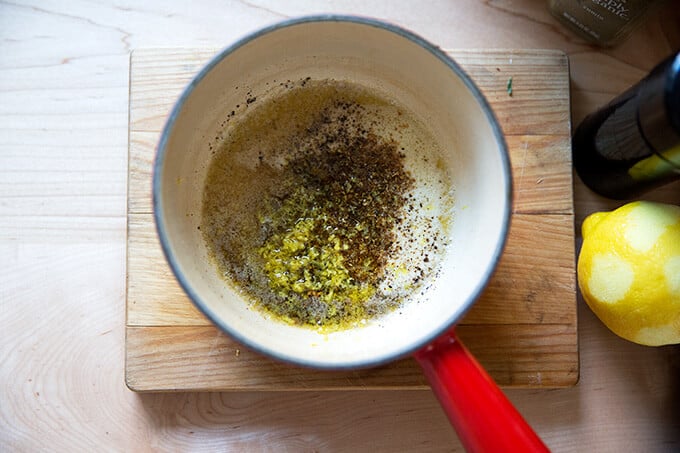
<point x="629" y="271"/>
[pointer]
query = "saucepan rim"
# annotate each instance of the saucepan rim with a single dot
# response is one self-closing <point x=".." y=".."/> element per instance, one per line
<point x="159" y="164"/>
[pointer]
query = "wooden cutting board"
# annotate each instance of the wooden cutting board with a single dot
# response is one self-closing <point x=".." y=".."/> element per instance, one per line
<point x="522" y="330"/>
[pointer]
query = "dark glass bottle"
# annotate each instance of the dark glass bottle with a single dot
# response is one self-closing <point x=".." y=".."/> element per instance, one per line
<point x="632" y="145"/>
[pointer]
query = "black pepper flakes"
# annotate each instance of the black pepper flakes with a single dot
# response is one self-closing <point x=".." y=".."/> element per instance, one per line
<point x="347" y="183"/>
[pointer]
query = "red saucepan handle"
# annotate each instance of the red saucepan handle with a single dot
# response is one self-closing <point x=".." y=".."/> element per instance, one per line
<point x="485" y="420"/>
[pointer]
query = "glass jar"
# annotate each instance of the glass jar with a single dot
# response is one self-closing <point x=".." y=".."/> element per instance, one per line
<point x="603" y="22"/>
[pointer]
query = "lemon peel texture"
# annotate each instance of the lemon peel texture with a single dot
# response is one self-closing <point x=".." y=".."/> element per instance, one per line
<point x="629" y="271"/>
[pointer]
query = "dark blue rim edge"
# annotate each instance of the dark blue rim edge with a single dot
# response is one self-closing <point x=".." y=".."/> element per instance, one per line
<point x="160" y="159"/>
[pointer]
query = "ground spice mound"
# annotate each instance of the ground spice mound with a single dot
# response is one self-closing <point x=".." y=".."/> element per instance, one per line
<point x="304" y="206"/>
<point x="360" y="182"/>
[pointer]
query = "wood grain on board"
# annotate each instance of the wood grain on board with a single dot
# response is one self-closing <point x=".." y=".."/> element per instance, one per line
<point x="523" y="328"/>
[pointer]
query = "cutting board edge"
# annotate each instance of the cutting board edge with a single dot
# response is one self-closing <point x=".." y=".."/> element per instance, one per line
<point x="573" y="380"/>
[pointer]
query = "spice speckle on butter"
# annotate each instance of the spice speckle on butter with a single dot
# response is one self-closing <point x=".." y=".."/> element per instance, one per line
<point x="325" y="205"/>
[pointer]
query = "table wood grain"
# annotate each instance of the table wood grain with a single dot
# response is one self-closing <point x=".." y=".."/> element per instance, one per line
<point x="64" y="84"/>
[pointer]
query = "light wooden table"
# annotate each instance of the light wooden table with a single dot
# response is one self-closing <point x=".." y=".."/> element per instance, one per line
<point x="63" y="167"/>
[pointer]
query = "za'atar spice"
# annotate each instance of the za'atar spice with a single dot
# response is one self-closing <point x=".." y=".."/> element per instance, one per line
<point x="327" y="205"/>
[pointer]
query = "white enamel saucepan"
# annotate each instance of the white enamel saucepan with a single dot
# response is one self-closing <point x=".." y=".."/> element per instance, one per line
<point x="429" y="83"/>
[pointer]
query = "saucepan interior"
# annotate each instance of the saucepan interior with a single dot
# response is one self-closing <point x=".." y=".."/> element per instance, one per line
<point x="396" y="64"/>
